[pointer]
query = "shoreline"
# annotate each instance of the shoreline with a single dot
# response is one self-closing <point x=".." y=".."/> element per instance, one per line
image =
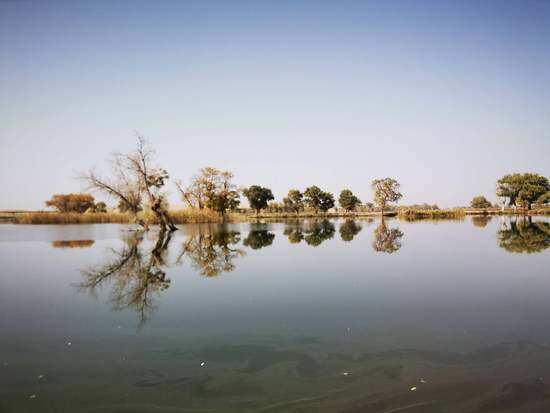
<point x="206" y="216"/>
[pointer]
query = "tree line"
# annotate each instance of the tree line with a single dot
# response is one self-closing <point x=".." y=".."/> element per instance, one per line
<point x="136" y="181"/>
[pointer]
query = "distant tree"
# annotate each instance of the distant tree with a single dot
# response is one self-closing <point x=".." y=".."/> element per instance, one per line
<point x="386" y="190"/>
<point x="294" y="200"/>
<point x="349" y="229"/>
<point x="522" y="189"/>
<point x="78" y="203"/>
<point x="348" y="201"/>
<point x="213" y="189"/>
<point x="99" y="207"/>
<point x="258" y="197"/>
<point x="480" y="202"/>
<point x="318" y="200"/>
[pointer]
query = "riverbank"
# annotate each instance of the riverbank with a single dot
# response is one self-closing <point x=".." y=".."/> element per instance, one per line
<point x="206" y="216"/>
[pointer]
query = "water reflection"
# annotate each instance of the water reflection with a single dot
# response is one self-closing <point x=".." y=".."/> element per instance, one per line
<point x="135" y="275"/>
<point x="76" y="243"/>
<point x="481" y="221"/>
<point x="313" y="232"/>
<point x="259" y="237"/>
<point x="349" y="229"/>
<point x="524" y="236"/>
<point x="386" y="239"/>
<point x="211" y="251"/>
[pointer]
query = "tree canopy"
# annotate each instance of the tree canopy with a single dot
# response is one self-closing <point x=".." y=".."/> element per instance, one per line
<point x="258" y="197"/>
<point x="480" y="202"/>
<point x="523" y="189"/>
<point x="348" y="200"/>
<point x="386" y="191"/>
<point x="317" y="199"/>
<point x="294" y="200"/>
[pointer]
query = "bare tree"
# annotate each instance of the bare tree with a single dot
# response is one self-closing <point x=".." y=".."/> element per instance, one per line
<point x="135" y="176"/>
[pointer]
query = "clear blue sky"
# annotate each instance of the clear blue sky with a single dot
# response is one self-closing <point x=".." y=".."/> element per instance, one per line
<point x="445" y="96"/>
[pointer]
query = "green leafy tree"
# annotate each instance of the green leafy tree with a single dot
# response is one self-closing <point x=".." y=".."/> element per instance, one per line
<point x="522" y="189"/>
<point x="258" y="197"/>
<point x="348" y="201"/>
<point x="480" y="202"/>
<point x="386" y="191"/>
<point x="294" y="200"/>
<point x="318" y="200"/>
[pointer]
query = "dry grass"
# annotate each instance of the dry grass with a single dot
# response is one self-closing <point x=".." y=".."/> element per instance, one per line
<point x="196" y="216"/>
<point x="179" y="217"/>
<point x="71" y="218"/>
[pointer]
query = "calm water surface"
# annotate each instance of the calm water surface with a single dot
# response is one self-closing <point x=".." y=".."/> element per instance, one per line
<point x="314" y="316"/>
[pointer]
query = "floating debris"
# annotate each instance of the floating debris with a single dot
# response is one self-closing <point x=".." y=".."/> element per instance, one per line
<point x="203" y="363"/>
<point x="346" y="373"/>
<point x="413" y="388"/>
<point x="423" y="381"/>
<point x="69" y="343"/>
<point x="32" y="396"/>
<point x="41" y="376"/>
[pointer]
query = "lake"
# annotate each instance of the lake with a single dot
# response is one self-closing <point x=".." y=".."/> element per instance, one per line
<point x="295" y="316"/>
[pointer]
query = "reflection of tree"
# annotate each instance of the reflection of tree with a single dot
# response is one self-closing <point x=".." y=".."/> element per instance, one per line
<point x="386" y="239"/>
<point x="312" y="232"/>
<point x="481" y="221"/>
<point x="210" y="250"/>
<point x="75" y="243"/>
<point x="349" y="229"/>
<point x="294" y="231"/>
<point x="135" y="276"/>
<point x="259" y="238"/>
<point x="525" y="236"/>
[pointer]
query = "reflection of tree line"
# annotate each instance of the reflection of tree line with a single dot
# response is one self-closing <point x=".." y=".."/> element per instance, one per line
<point x="137" y="274"/>
<point x="524" y="236"/>
<point x="519" y="235"/>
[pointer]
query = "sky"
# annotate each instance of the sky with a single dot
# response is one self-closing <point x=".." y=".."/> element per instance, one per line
<point x="444" y="96"/>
